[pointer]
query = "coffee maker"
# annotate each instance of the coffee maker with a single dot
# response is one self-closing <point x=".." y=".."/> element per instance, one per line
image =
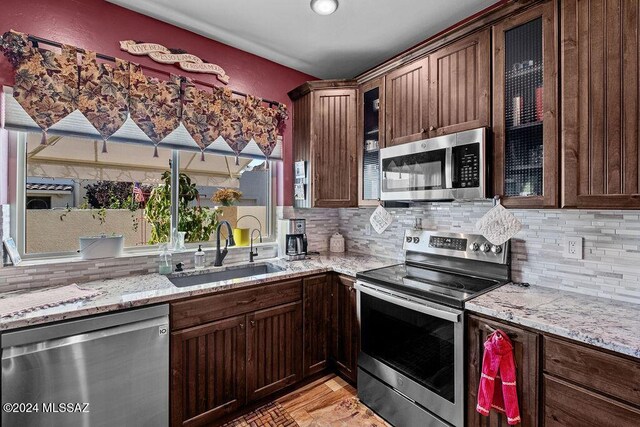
<point x="292" y="239"/>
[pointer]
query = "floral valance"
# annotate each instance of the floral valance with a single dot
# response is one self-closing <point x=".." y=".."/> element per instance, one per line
<point x="49" y="86"/>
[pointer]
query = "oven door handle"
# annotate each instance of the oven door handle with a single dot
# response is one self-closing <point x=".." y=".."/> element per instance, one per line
<point x="451" y="316"/>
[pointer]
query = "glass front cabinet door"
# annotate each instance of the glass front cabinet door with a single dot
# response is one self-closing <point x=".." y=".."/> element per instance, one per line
<point x="370" y="140"/>
<point x="525" y="106"/>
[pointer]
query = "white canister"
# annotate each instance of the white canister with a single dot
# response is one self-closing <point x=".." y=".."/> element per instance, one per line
<point x="336" y="243"/>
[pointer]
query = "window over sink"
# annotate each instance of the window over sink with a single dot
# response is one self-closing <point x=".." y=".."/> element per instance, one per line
<point x="70" y="188"/>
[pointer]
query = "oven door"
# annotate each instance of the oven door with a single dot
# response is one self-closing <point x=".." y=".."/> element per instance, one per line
<point x="415" y="347"/>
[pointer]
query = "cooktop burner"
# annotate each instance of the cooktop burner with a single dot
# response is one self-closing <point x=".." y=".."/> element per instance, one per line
<point x="438" y="286"/>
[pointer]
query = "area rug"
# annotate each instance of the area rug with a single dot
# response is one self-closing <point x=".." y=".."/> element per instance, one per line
<point x="271" y="415"/>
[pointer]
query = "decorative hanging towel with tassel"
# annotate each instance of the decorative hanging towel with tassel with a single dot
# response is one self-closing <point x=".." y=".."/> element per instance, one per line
<point x="104" y="95"/>
<point x="46" y="83"/>
<point x="154" y="104"/>
<point x="497" y="388"/>
<point x="201" y="115"/>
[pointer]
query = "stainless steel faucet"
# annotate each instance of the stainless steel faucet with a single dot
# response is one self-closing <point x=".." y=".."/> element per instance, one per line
<point x="220" y="254"/>
<point x="251" y="253"/>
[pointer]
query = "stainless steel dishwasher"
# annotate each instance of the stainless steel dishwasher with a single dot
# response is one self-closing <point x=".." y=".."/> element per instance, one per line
<point x="109" y="370"/>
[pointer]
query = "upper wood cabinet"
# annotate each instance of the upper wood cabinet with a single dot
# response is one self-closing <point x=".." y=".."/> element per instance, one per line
<point x="324" y="135"/>
<point x="407" y="103"/>
<point x="460" y="74"/>
<point x="525" y="161"/>
<point x="600" y="112"/>
<point x="371" y="138"/>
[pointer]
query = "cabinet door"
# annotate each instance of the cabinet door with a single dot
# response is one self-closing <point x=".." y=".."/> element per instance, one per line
<point x="525" y="106"/>
<point x="600" y="112"/>
<point x="459" y="95"/>
<point x="407" y="103"/>
<point x="345" y="327"/>
<point x="316" y="297"/>
<point x="207" y="371"/>
<point x="371" y="133"/>
<point x="274" y="349"/>
<point x="333" y="146"/>
<point x="526" y="359"/>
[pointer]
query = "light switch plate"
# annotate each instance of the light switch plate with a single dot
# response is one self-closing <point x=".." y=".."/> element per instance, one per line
<point x="573" y="247"/>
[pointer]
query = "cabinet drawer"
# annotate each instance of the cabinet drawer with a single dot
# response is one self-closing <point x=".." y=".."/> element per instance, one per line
<point x="569" y="405"/>
<point x="613" y="375"/>
<point x="206" y="309"/>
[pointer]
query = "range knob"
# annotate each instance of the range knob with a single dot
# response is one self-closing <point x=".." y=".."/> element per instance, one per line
<point x="408" y="239"/>
<point x="416" y="240"/>
<point x="496" y="249"/>
<point x="485" y="247"/>
<point x="474" y="247"/>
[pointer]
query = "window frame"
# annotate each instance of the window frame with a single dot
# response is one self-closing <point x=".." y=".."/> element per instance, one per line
<point x="18" y="156"/>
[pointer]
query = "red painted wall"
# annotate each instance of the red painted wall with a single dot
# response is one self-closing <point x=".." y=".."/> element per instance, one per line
<point x="98" y="25"/>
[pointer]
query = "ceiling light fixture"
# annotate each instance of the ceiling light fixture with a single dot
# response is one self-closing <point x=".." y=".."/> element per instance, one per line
<point x="324" y="7"/>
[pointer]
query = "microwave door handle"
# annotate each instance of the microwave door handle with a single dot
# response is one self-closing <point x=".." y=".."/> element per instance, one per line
<point x="425" y="309"/>
<point x="448" y="169"/>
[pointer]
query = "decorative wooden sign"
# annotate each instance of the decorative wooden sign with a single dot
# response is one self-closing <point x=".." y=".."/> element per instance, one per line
<point x="186" y="61"/>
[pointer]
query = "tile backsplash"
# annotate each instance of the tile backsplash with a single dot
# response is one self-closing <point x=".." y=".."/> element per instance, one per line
<point x="610" y="267"/>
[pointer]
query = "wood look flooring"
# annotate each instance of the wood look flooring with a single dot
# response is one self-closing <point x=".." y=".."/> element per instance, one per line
<point x="329" y="401"/>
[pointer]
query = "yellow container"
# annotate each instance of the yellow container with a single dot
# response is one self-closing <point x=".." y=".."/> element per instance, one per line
<point x="241" y="236"/>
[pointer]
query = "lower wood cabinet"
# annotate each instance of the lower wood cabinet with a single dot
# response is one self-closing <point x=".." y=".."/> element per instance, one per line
<point x="274" y="349"/>
<point x="345" y="330"/>
<point x="575" y="385"/>
<point x="316" y="297"/>
<point x="526" y="359"/>
<point x="207" y="371"/>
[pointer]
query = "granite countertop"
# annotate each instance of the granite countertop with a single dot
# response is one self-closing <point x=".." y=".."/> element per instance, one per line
<point x="136" y="291"/>
<point x="605" y="323"/>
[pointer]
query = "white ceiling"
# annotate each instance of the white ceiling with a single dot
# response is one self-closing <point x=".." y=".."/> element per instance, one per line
<point x="358" y="36"/>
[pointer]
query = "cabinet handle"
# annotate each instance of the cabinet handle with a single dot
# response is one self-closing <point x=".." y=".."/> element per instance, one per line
<point x="253" y="323"/>
<point x="511" y="335"/>
<point x="423" y="130"/>
<point x="247" y="301"/>
<point x="241" y="325"/>
<point x="432" y="128"/>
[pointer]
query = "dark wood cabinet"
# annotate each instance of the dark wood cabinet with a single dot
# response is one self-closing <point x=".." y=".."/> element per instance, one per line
<point x="371" y="138"/>
<point x="600" y="62"/>
<point x="407" y="103"/>
<point x="526" y="354"/>
<point x="325" y="133"/>
<point x="274" y="349"/>
<point x="207" y="371"/>
<point x="316" y="299"/>
<point x="525" y="161"/>
<point x="345" y="328"/>
<point x="460" y="92"/>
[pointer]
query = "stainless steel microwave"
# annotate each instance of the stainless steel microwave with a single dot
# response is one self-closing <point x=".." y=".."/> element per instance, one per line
<point x="450" y="167"/>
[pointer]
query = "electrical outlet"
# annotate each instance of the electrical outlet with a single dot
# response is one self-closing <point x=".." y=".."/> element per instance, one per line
<point x="367" y="230"/>
<point x="573" y="247"/>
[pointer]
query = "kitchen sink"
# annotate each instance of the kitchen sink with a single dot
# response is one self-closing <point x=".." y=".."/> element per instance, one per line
<point x="233" y="272"/>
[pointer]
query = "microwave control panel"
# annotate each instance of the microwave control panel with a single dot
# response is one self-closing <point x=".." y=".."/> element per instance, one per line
<point x="466" y="166"/>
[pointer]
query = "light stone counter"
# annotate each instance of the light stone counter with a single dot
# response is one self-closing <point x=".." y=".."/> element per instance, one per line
<point x="601" y="322"/>
<point x="136" y="291"/>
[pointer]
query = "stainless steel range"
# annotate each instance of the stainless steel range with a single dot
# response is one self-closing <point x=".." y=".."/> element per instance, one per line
<point x="411" y="363"/>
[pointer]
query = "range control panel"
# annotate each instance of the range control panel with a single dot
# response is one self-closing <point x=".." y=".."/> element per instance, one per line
<point x="461" y="245"/>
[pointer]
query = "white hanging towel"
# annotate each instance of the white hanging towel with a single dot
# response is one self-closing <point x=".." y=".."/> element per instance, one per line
<point x="498" y="225"/>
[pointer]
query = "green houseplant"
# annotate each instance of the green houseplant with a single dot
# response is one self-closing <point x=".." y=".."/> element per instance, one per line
<point x="196" y="221"/>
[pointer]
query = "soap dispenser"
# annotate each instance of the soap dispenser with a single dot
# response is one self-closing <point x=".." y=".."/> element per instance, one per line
<point x="199" y="258"/>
